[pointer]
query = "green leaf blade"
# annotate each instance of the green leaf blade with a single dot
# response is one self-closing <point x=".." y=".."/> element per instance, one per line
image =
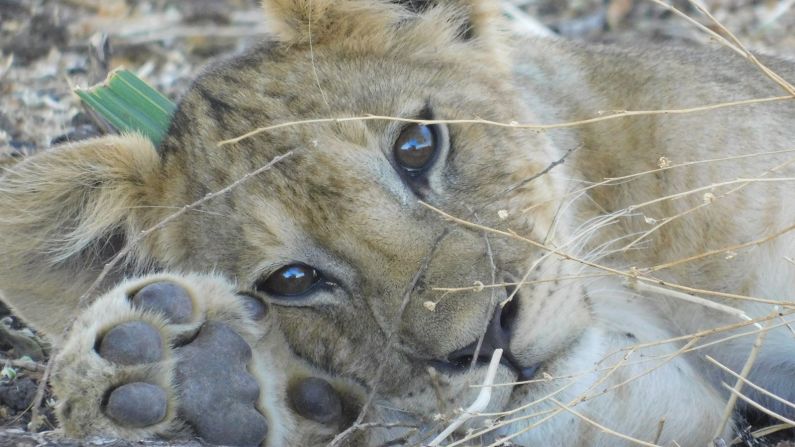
<point x="130" y="105"/>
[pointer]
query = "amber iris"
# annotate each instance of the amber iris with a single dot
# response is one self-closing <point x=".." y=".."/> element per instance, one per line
<point x="290" y="280"/>
<point x="416" y="148"/>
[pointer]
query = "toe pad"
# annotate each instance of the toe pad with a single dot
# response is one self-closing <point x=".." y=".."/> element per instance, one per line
<point x="132" y="343"/>
<point x="315" y="399"/>
<point x="137" y="405"/>
<point x="167" y="298"/>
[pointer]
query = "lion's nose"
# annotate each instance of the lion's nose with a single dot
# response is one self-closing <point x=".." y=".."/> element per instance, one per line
<point x="498" y="336"/>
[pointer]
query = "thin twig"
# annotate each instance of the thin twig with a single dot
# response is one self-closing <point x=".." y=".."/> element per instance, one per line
<point x="719" y="251"/>
<point x="36" y="418"/>
<point x="761" y="408"/>
<point x="738" y="386"/>
<point x="767" y="431"/>
<point x="787" y="324"/>
<point x="341" y="438"/>
<point x="614" y="180"/>
<point x="480" y="286"/>
<point x="643" y="288"/>
<point x="493" y="297"/>
<point x="582" y="397"/>
<point x="312" y="58"/>
<point x="143" y="234"/>
<point x="775" y="77"/>
<point x="742" y="184"/>
<point x="709" y="187"/>
<point x="545" y="171"/>
<point x="782" y="8"/>
<point x="640" y="346"/>
<point x="665" y="360"/>
<point x="751" y="384"/>
<point x="514" y="125"/>
<point x="660" y="426"/>
<point x="24" y="364"/>
<point x="602" y="427"/>
<point x="735" y="44"/>
<point x="37" y="401"/>
<point x="700" y="26"/>
<point x="525" y="22"/>
<point x="629" y="274"/>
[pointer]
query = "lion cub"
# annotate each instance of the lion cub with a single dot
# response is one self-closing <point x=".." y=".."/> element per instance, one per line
<point x="336" y="285"/>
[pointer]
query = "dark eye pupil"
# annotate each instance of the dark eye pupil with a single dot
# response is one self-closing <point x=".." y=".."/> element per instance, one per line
<point x="291" y="280"/>
<point x="415" y="147"/>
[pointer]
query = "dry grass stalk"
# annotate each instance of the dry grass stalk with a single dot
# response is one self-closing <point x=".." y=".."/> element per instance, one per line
<point x="745" y="380"/>
<point x="525" y="22"/>
<point x="738" y="386"/>
<point x="644" y="288"/>
<point x="479" y="286"/>
<point x="736" y="336"/>
<point x="585" y="396"/>
<point x="709" y="200"/>
<point x="144" y="234"/>
<point x="36" y="419"/>
<point x="342" y="437"/>
<point x="664" y="360"/>
<point x="493" y="295"/>
<point x="730" y="248"/>
<point x="609" y="116"/>
<point x="746" y="53"/>
<point x="660" y="427"/>
<point x="601" y="427"/>
<point x="767" y="431"/>
<point x="632" y="274"/>
<point x="750" y="402"/>
<point x="734" y="44"/>
<point x="684" y="350"/>
<point x="662" y="168"/>
<point x="787" y="324"/>
<point x="582" y="397"/>
<point x="24" y="364"/>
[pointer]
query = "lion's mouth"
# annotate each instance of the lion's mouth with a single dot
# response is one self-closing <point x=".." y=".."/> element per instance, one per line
<point x="461" y="361"/>
<point x="479" y="353"/>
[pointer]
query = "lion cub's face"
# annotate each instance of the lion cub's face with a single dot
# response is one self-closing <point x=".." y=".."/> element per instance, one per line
<point x="335" y="235"/>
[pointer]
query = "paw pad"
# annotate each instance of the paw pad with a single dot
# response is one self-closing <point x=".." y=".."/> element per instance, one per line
<point x="178" y="374"/>
<point x="137" y="405"/>
<point x="167" y="298"/>
<point x="218" y="395"/>
<point x="315" y="399"/>
<point x="132" y="343"/>
<point x="256" y="309"/>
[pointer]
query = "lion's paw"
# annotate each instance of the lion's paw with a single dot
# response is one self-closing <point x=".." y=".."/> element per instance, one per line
<point x="168" y="356"/>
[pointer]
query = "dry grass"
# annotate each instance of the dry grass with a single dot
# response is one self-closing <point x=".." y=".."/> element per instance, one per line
<point x="712" y="26"/>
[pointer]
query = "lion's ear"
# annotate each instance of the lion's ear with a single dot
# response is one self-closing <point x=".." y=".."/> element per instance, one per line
<point x="299" y="21"/>
<point x="63" y="214"/>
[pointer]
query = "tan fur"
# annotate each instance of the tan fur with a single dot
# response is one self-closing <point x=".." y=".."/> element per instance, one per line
<point x="338" y="204"/>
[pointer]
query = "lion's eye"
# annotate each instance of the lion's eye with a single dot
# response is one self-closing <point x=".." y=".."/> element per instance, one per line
<point x="416" y="148"/>
<point x="290" y="280"/>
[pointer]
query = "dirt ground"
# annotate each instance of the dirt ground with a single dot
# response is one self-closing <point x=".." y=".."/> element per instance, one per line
<point x="49" y="47"/>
